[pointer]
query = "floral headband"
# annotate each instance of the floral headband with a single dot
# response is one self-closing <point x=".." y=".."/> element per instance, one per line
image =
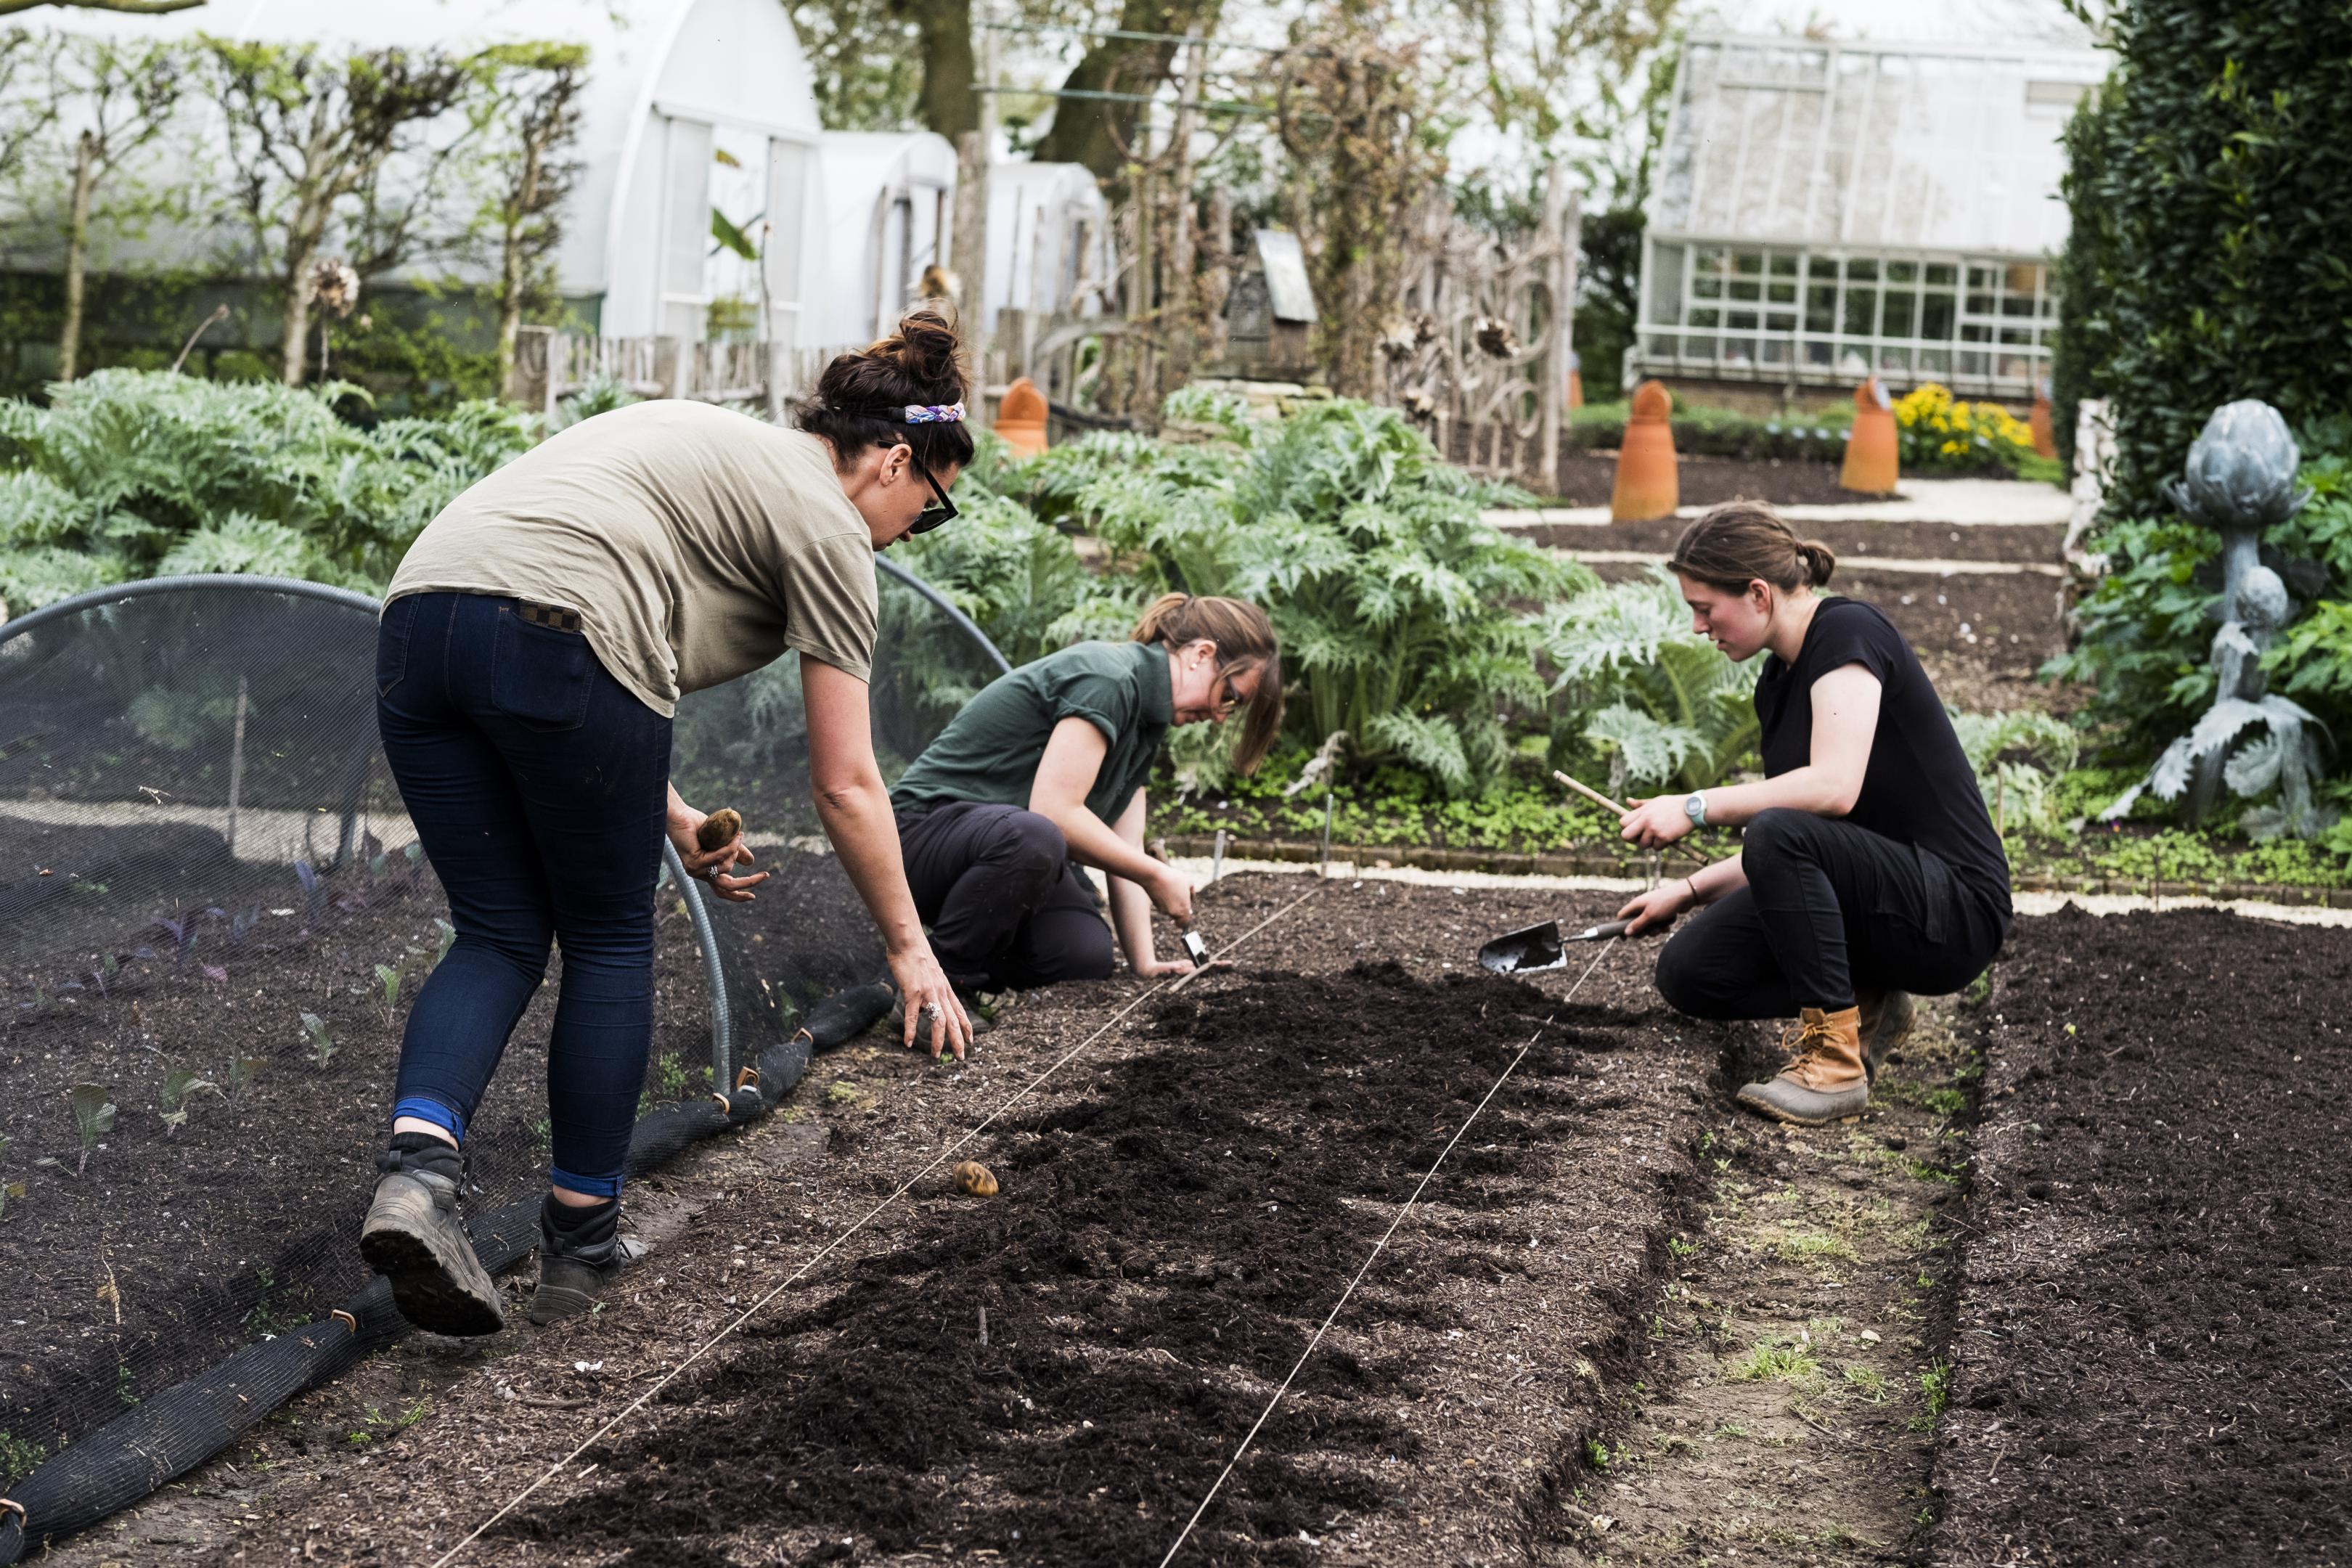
<point x="931" y="414"/>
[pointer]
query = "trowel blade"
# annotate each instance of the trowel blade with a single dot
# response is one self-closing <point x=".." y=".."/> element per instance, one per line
<point x="1524" y="952"/>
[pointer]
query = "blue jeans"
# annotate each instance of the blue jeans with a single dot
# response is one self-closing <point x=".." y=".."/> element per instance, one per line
<point x="539" y="786"/>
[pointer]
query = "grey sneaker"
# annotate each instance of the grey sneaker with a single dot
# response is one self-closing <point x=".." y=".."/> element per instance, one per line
<point x="579" y="1254"/>
<point x="413" y="1238"/>
<point x="1886" y="1020"/>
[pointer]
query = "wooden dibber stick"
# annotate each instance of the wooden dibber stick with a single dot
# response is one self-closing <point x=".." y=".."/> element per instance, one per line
<point x="1597" y="799"/>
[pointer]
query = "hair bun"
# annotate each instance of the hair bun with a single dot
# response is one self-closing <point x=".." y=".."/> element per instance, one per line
<point x="926" y="351"/>
<point x="1819" y="560"/>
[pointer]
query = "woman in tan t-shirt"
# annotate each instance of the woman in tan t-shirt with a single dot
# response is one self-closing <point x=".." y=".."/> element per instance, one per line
<point x="533" y="647"/>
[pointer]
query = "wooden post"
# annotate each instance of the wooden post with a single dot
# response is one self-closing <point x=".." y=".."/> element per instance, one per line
<point x="1183" y="328"/>
<point x="969" y="248"/>
<point x="1217" y="282"/>
<point x="236" y="765"/>
<point x="1563" y="232"/>
<point x="1144" y="399"/>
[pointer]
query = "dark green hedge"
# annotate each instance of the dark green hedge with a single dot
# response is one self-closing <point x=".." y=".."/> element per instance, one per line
<point x="2211" y="198"/>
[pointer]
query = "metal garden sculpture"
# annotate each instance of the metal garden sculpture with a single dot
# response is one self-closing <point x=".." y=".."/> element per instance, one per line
<point x="2240" y="480"/>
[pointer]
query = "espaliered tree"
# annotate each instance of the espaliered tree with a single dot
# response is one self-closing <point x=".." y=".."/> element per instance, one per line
<point x="1364" y="145"/>
<point x="530" y="101"/>
<point x="311" y="136"/>
<point x="124" y="95"/>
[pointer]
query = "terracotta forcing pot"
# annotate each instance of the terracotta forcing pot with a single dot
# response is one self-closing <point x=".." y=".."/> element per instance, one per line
<point x="1872" y="453"/>
<point x="1021" y="418"/>
<point x="1649" y="480"/>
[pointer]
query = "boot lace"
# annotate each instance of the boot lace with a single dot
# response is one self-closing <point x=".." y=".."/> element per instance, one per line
<point x="1807" y="1040"/>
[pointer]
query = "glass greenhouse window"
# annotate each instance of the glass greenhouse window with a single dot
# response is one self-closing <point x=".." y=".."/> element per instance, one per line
<point x="1774" y="313"/>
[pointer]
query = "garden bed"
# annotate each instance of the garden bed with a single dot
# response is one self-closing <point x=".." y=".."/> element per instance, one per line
<point x="1179" y="1213"/>
<point x="178" y="1245"/>
<point x="1922" y="541"/>
<point x="1588" y="477"/>
<point x="2149" y="1359"/>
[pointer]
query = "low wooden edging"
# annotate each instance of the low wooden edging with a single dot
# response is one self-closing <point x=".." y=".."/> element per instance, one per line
<point x="1508" y="863"/>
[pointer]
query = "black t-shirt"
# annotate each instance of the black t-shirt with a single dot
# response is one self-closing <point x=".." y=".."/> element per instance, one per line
<point x="1918" y="789"/>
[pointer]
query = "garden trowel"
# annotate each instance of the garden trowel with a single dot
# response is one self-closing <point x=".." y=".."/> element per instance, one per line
<point x="1540" y="947"/>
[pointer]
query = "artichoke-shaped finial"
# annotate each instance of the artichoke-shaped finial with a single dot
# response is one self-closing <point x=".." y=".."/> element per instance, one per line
<point x="2241" y="472"/>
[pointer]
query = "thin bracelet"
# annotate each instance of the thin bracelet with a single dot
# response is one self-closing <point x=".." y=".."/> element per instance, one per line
<point x="1696" y="902"/>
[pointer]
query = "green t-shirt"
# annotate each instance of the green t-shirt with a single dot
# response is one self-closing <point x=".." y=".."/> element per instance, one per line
<point x="990" y="752"/>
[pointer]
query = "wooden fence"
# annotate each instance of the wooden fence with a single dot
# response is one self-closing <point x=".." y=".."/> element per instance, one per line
<point x="550" y="365"/>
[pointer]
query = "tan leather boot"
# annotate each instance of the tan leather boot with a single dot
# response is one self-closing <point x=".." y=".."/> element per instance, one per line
<point x="1886" y="1018"/>
<point x="1824" y="1081"/>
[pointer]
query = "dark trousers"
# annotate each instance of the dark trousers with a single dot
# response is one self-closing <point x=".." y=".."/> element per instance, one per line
<point x="538" y="784"/>
<point x="1005" y="906"/>
<point x="1829" y="909"/>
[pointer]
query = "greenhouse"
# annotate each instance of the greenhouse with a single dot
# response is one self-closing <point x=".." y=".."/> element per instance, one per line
<point x="1825" y="211"/>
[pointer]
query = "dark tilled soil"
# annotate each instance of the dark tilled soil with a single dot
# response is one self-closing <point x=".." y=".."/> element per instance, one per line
<point x="1587" y="478"/>
<point x="2150" y="1361"/>
<point x="1853" y="542"/>
<point x="176" y="1245"/>
<point x="1165" y="1247"/>
<point x="1445" y="1419"/>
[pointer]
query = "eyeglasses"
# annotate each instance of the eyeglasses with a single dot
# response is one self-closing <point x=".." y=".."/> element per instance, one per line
<point x="940" y="510"/>
<point x="1229" y="695"/>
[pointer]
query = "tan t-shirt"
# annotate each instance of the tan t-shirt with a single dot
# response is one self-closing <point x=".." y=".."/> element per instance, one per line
<point x="696" y="545"/>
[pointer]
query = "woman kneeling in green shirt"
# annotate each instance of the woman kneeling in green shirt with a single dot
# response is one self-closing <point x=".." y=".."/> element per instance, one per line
<point x="1043" y="773"/>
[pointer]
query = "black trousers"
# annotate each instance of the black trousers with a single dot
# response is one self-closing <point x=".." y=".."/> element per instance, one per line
<point x="1829" y="909"/>
<point x="1005" y="906"/>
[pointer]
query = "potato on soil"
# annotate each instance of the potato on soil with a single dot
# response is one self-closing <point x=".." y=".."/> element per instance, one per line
<point x="971" y="1176"/>
<point x="719" y="829"/>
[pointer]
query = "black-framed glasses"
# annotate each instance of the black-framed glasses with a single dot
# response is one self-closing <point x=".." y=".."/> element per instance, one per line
<point x="940" y="510"/>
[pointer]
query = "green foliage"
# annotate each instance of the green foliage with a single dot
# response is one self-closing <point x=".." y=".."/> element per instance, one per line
<point x="321" y="1035"/>
<point x="242" y="1070"/>
<point x="1703" y="431"/>
<point x="93" y="1116"/>
<point x="1393" y="601"/>
<point x="1636" y="686"/>
<point x="1020" y="580"/>
<point x="2207" y="185"/>
<point x="2017" y="758"/>
<point x="180" y="1085"/>
<point x="387" y="980"/>
<point x="135" y="474"/>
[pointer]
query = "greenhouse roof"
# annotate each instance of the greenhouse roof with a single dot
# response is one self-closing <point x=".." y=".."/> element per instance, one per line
<point x="1878" y="145"/>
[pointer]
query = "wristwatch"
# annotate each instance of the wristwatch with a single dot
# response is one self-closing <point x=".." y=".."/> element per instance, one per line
<point x="1694" y="808"/>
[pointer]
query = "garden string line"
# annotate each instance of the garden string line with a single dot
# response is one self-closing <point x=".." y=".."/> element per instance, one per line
<point x="1170" y="985"/>
<point x="1508" y="1067"/>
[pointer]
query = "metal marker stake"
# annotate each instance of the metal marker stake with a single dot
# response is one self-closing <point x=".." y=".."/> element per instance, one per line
<point x="1324" y="866"/>
<point x="1217" y="858"/>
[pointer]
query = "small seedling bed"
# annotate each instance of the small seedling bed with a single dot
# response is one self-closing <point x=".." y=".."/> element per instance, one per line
<point x="1163" y="1248"/>
<point x="2149" y="1344"/>
<point x="177" y="1244"/>
<point x="1142" y="1298"/>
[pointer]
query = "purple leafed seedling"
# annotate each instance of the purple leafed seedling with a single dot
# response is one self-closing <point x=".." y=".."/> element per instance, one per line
<point x="241" y="925"/>
<point x="215" y="973"/>
<point x="183" y="939"/>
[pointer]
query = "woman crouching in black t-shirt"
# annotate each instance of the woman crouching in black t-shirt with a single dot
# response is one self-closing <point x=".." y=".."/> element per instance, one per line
<point x="1868" y="867"/>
